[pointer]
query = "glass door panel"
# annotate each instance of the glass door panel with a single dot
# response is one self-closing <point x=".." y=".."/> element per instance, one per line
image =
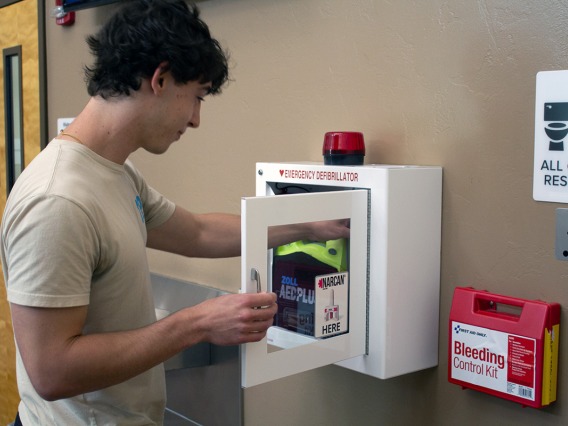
<point x="330" y="333"/>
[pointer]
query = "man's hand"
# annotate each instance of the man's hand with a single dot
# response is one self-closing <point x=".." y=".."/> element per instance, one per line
<point x="235" y="318"/>
<point x="328" y="230"/>
<point x="312" y="231"/>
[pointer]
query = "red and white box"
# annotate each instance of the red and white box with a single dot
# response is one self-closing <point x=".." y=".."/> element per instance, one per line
<point x="504" y="346"/>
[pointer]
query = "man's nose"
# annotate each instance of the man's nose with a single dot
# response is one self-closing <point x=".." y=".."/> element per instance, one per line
<point x="196" y="117"/>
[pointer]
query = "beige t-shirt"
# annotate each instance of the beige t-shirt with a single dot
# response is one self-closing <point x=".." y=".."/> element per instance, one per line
<point x="73" y="234"/>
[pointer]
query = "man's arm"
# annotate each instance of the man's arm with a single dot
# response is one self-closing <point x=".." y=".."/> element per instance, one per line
<point x="61" y="362"/>
<point x="219" y="235"/>
<point x="209" y="235"/>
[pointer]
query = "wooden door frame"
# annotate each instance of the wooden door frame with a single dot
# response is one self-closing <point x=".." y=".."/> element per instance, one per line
<point x="8" y="2"/>
<point x="42" y="60"/>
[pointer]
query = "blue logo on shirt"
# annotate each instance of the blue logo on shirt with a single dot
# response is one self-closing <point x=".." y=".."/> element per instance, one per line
<point x="140" y="208"/>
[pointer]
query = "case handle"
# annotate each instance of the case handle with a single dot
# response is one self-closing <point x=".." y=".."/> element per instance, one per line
<point x="498" y="306"/>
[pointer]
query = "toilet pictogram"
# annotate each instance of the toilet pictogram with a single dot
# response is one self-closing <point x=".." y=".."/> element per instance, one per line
<point x="556" y="124"/>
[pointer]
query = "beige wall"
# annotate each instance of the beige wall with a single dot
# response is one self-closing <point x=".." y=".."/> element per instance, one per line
<point x="437" y="82"/>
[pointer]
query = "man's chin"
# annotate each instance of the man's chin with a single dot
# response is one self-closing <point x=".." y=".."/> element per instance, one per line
<point x="157" y="150"/>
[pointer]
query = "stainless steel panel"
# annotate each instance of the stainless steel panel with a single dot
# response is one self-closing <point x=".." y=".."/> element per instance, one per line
<point x="203" y="383"/>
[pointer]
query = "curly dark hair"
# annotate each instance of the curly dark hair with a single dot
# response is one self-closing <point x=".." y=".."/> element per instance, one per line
<point x="141" y="35"/>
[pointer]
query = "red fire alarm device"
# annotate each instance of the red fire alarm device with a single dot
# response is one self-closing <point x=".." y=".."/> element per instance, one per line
<point x="504" y="346"/>
<point x="61" y="17"/>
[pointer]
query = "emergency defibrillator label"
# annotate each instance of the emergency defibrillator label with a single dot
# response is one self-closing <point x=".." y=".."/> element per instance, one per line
<point x="320" y="175"/>
<point x="493" y="359"/>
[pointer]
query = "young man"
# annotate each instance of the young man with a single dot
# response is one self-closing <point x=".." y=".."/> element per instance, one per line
<point x="79" y="219"/>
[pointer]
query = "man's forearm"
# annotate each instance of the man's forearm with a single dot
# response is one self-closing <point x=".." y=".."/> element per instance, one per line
<point x="61" y="362"/>
<point x="62" y="368"/>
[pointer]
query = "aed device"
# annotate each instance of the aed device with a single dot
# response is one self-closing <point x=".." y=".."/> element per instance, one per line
<point x="504" y="346"/>
<point x="311" y="283"/>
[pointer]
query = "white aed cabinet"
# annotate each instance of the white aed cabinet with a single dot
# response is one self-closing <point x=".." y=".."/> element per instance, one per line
<point x="393" y="265"/>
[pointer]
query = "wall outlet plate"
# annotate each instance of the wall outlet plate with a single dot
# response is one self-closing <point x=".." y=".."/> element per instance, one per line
<point x="561" y="234"/>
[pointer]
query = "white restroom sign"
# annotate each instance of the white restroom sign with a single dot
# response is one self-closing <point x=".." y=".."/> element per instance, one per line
<point x="550" y="178"/>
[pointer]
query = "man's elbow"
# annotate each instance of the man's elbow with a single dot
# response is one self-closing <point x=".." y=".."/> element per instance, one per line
<point x="49" y="393"/>
<point x="51" y="389"/>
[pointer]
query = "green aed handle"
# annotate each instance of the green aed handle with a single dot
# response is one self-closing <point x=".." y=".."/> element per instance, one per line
<point x="332" y="252"/>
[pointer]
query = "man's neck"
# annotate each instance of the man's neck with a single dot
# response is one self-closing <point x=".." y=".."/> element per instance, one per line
<point x="106" y="127"/>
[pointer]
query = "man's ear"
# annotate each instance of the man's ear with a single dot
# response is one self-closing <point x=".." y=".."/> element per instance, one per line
<point x="157" y="80"/>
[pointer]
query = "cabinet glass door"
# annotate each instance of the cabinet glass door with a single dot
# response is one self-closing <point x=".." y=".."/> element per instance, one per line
<point x="339" y="320"/>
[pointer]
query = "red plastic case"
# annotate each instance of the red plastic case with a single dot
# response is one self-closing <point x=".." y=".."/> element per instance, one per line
<point x="504" y="346"/>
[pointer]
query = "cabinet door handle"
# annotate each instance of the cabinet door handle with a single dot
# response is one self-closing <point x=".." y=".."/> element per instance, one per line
<point x="255" y="276"/>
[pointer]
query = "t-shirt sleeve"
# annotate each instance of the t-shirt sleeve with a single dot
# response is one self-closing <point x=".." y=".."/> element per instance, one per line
<point x="50" y="256"/>
<point x="157" y="208"/>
